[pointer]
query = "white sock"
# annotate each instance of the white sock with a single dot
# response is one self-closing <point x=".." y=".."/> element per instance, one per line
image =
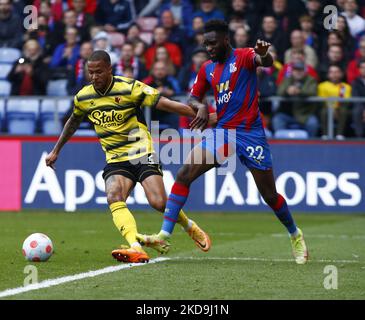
<point x="190" y="224"/>
<point x="164" y="234"/>
<point x="295" y="233"/>
<point x="136" y="244"/>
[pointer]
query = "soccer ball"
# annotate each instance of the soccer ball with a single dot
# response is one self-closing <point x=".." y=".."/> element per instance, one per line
<point x="37" y="247"/>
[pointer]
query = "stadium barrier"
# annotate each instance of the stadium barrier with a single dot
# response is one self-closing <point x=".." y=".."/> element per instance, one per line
<point x="46" y="108"/>
<point x="314" y="176"/>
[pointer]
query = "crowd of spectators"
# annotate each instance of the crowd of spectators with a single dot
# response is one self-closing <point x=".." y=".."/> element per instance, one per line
<point x="160" y="43"/>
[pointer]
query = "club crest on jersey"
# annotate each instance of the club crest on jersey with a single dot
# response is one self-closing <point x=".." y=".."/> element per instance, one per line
<point x="232" y="67"/>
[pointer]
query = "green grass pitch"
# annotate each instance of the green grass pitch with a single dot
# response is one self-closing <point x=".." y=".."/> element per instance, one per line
<point x="250" y="257"/>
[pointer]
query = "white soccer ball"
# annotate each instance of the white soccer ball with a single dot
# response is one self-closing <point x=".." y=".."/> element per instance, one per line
<point x="37" y="247"/>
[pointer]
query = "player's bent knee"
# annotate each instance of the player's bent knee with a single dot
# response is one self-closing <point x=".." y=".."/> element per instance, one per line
<point x="184" y="175"/>
<point x="113" y="197"/>
<point x="158" y="204"/>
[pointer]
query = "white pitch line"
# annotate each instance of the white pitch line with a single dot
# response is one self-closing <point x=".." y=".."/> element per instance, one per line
<point x="75" y="277"/>
<point x="325" y="236"/>
<point x="261" y="259"/>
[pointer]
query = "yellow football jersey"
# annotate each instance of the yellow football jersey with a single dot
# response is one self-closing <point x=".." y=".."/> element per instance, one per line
<point x="118" y="117"/>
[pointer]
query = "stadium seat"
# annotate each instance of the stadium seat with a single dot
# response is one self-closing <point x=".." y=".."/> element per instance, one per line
<point x="291" y="134"/>
<point x="85" y="133"/>
<point x="85" y="130"/>
<point x="147" y="37"/>
<point x="116" y="39"/>
<point x="22" y="116"/>
<point x="5" y="88"/>
<point x="4" y="70"/>
<point x="2" y="113"/>
<point x="147" y="23"/>
<point x="50" y="117"/>
<point x="9" y="55"/>
<point x="23" y="123"/>
<point x="57" y="88"/>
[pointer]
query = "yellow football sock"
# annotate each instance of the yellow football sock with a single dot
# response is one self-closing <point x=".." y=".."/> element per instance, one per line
<point x="183" y="220"/>
<point x="124" y="221"/>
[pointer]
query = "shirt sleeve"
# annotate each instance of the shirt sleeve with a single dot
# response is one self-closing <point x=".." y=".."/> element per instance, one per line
<point x="146" y="95"/>
<point x="248" y="59"/>
<point x="77" y="111"/>
<point x="201" y="84"/>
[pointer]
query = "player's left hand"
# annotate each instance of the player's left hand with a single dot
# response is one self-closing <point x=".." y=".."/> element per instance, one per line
<point x="51" y="159"/>
<point x="262" y="47"/>
<point x="201" y="119"/>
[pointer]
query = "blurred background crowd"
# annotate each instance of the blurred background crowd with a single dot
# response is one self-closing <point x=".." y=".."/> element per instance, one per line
<point x="160" y="43"/>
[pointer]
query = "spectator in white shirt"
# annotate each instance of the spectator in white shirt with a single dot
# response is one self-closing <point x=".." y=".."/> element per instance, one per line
<point x="355" y="22"/>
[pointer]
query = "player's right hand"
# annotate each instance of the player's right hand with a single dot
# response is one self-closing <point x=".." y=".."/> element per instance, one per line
<point x="51" y="160"/>
<point x="213" y="119"/>
<point x="201" y="119"/>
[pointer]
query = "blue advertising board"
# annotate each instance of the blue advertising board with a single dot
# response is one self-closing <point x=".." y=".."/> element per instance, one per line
<point x="314" y="177"/>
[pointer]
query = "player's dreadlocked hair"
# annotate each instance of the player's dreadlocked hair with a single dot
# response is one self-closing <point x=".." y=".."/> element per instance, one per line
<point x="219" y="26"/>
<point x="100" y="55"/>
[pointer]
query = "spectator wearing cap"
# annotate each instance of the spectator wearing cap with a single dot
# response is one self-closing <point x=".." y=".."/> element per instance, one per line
<point x="335" y="87"/>
<point x="297" y="55"/>
<point x="208" y="10"/>
<point x="160" y="39"/>
<point x="297" y="114"/>
<point x="11" y="26"/>
<point x="182" y="11"/>
<point x="298" y="42"/>
<point x="115" y="15"/>
<point x="358" y="112"/>
<point x="101" y="41"/>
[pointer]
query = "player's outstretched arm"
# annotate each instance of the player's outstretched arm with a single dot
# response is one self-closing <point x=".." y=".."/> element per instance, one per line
<point x="172" y="106"/>
<point x="69" y="129"/>
<point x="263" y="57"/>
<point x="168" y="105"/>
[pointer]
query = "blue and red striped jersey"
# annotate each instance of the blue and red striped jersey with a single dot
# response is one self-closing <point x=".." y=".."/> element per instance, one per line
<point x="235" y="89"/>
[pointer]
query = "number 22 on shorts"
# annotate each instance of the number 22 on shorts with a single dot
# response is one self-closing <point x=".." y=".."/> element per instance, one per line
<point x="255" y="152"/>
